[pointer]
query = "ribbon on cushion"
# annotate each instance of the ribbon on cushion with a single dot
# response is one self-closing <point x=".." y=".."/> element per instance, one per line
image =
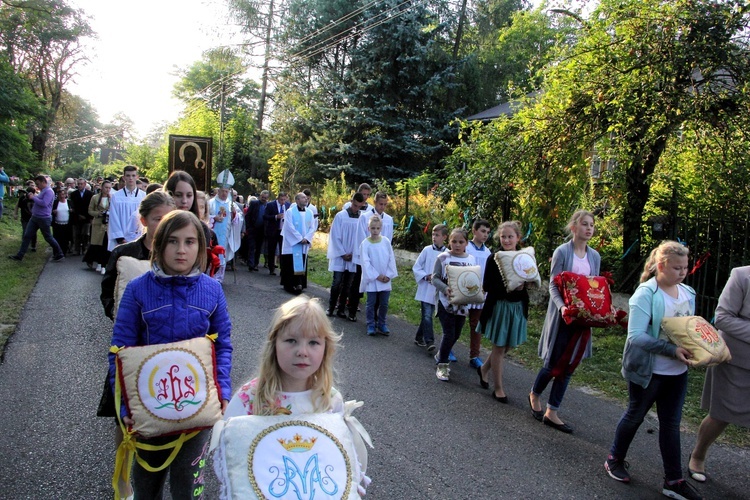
<point x="360" y="436"/>
<point x="129" y="446"/>
<point x="567" y="363"/>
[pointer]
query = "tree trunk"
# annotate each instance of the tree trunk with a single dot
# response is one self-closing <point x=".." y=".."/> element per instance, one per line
<point x="638" y="189"/>
<point x="266" y="60"/>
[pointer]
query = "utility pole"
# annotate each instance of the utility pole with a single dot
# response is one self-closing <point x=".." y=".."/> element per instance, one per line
<point x="266" y="61"/>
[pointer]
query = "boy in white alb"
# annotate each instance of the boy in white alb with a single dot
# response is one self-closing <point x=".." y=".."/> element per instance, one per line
<point x="343" y="242"/>
<point x="422" y="270"/>
<point x="378" y="269"/>
<point x="123" y="227"/>
<point x="480" y="232"/>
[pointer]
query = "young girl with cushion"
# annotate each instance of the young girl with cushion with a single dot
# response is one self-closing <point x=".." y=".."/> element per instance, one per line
<point x="558" y="344"/>
<point x="296" y="369"/>
<point x="655" y="368"/>
<point x="504" y="315"/>
<point x="174" y="301"/>
<point x="452" y="317"/>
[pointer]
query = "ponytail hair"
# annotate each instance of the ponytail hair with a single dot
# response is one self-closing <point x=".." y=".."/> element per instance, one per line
<point x="514" y="225"/>
<point x="661" y="254"/>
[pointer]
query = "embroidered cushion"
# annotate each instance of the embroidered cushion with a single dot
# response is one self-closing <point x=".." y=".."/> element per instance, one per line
<point x="286" y="456"/>
<point x="518" y="267"/>
<point x="466" y="284"/>
<point x="588" y="300"/>
<point x="697" y="336"/>
<point x="128" y="268"/>
<point x="170" y="388"/>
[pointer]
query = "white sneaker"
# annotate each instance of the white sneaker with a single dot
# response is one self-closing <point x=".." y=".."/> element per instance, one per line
<point x="443" y="372"/>
<point x="98" y="268"/>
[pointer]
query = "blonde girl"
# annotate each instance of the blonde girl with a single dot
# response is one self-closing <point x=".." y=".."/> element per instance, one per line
<point x="656" y="369"/>
<point x="296" y="366"/>
<point x="452" y="318"/>
<point x="174" y="301"/>
<point x="578" y="257"/>
<point x="504" y="315"/>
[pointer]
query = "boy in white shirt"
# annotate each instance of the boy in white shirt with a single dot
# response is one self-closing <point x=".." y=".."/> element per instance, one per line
<point x="480" y="232"/>
<point x="422" y="270"/>
<point x="343" y="243"/>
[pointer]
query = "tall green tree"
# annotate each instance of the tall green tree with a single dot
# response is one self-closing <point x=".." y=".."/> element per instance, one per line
<point x="18" y="107"/>
<point x="43" y="41"/>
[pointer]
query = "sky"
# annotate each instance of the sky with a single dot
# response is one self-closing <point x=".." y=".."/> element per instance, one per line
<point x="140" y="45"/>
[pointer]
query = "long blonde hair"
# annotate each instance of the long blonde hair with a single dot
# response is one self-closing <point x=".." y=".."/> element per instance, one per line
<point x="304" y="313"/>
<point x="514" y="225"/>
<point x="660" y="255"/>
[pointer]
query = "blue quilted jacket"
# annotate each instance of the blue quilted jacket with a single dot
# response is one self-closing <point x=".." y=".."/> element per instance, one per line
<point x="158" y="309"/>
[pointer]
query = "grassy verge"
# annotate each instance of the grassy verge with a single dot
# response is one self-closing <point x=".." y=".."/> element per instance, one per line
<point x="600" y="373"/>
<point x="18" y="278"/>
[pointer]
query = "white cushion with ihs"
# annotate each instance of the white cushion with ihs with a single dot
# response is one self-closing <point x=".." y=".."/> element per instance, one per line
<point x="170" y="388"/>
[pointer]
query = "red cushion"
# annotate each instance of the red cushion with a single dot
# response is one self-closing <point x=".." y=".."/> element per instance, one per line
<point x="588" y="300"/>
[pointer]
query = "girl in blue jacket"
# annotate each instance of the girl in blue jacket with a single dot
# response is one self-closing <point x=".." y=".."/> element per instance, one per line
<point x="175" y="301"/>
<point x="656" y="369"/>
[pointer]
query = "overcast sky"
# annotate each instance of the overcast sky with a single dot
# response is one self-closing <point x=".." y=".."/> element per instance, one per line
<point x="139" y="46"/>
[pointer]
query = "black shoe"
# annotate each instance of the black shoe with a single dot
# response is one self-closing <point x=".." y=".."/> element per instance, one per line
<point x="503" y="400"/>
<point x="341" y="314"/>
<point x="431" y="348"/>
<point x="560" y="427"/>
<point x="59" y="258"/>
<point x="486" y="385"/>
<point x="254" y="268"/>
<point x="420" y="343"/>
<point x="537" y="414"/>
<point x="15" y="257"/>
<point x="352" y="318"/>
<point x="272" y="273"/>
<point x="293" y="291"/>
<point x="329" y="313"/>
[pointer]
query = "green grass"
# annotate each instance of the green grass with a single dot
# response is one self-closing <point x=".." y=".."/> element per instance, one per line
<point x="18" y="278"/>
<point x="600" y="373"/>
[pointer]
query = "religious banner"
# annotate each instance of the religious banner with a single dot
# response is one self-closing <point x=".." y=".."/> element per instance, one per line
<point x="193" y="155"/>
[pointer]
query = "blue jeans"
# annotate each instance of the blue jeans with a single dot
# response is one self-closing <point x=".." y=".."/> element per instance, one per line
<point x="668" y="392"/>
<point x="342" y="280"/>
<point x="425" y="331"/>
<point x="382" y="298"/>
<point x="42" y="224"/>
<point x="560" y="385"/>
<point x="452" y="325"/>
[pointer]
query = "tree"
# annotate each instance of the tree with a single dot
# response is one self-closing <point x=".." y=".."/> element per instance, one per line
<point x="640" y="71"/>
<point x="18" y="107"/>
<point x="43" y="42"/>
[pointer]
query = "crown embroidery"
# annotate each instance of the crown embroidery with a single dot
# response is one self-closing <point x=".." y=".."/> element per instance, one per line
<point x="297" y="444"/>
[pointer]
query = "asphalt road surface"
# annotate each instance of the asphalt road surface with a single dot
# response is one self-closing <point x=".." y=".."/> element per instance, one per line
<point x="432" y="439"/>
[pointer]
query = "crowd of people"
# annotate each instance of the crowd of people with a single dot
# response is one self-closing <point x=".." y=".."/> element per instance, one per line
<point x="179" y="229"/>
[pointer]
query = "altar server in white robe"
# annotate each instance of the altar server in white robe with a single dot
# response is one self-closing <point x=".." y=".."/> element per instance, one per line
<point x="228" y="219"/>
<point x="123" y="227"/>
<point x="343" y="243"/>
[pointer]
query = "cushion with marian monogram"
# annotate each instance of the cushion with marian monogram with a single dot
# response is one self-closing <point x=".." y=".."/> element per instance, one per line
<point x="466" y="284"/>
<point x="697" y="336"/>
<point x="128" y="268"/>
<point x="301" y="456"/>
<point x="518" y="267"/>
<point x="170" y="388"/>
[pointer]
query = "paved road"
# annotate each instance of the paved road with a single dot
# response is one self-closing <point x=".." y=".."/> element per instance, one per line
<point x="432" y="439"/>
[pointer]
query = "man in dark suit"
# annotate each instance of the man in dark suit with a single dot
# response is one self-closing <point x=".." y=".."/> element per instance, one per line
<point x="274" y="217"/>
<point x="80" y="199"/>
<point x="255" y="229"/>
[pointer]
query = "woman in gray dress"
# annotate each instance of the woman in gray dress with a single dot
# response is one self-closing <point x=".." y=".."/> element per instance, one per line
<point x="727" y="386"/>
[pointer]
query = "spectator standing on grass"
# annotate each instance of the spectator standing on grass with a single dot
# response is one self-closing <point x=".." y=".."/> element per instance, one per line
<point x="4" y="181"/>
<point x="422" y="270"/>
<point x="99" y="212"/>
<point x="25" y="205"/>
<point x="123" y="225"/>
<point x="342" y="245"/>
<point x="41" y="219"/>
